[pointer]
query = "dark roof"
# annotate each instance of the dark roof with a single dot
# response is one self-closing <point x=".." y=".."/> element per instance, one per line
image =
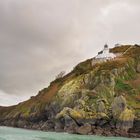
<point x="100" y="52"/>
<point x="105" y="46"/>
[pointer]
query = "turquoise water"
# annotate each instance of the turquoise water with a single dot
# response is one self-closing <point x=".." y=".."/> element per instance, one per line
<point x="7" y="133"/>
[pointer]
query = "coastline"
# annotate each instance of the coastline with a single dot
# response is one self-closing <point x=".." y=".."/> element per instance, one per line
<point x="87" y="130"/>
<point x="22" y="134"/>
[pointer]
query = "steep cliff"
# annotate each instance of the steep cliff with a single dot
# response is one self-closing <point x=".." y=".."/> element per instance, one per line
<point x="103" y="99"/>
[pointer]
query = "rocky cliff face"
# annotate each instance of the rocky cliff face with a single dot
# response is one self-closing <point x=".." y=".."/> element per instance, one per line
<point x="103" y="99"/>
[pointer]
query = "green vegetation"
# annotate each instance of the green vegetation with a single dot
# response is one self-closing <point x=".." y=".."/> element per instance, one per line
<point x="121" y="86"/>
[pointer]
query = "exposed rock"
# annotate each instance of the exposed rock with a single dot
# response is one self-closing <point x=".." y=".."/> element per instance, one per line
<point x="98" y="131"/>
<point x="102" y="116"/>
<point x="70" y="124"/>
<point x="84" y="130"/>
<point x="59" y="125"/>
<point x="126" y="120"/>
<point x="136" y="127"/>
<point x="101" y="107"/>
<point x="22" y="123"/>
<point x="101" y="122"/>
<point x="91" y="81"/>
<point x="70" y="112"/>
<point x="48" y="125"/>
<point x="118" y="106"/>
<point x="122" y="114"/>
<point x="36" y="127"/>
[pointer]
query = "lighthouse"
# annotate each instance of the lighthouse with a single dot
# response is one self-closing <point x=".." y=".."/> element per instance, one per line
<point x="105" y="54"/>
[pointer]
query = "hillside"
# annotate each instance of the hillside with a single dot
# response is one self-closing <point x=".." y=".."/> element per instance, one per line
<point x="101" y="99"/>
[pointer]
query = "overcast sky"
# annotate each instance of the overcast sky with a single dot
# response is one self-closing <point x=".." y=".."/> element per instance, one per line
<point x="40" y="38"/>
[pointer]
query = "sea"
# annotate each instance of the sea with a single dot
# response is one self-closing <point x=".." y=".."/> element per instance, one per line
<point x="8" y="133"/>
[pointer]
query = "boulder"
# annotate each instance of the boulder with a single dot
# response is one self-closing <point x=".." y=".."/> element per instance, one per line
<point x="68" y="120"/>
<point x="36" y="127"/>
<point x="118" y="106"/>
<point x="126" y="120"/>
<point x="123" y="115"/>
<point x="101" y="107"/>
<point x="84" y="130"/>
<point x="21" y="123"/>
<point x="59" y="125"/>
<point x="98" y="131"/>
<point x="70" y="124"/>
<point x="102" y="116"/>
<point x="70" y="112"/>
<point x="48" y="125"/>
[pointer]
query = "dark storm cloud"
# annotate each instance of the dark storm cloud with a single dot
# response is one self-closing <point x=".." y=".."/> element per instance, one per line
<point x="39" y="38"/>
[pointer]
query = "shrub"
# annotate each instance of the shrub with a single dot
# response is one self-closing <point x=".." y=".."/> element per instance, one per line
<point x="121" y="86"/>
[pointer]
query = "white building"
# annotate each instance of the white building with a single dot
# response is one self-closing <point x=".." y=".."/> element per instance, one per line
<point x="105" y="54"/>
<point x="118" y="45"/>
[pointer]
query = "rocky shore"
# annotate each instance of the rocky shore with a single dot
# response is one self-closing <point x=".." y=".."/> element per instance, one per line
<point x="101" y="128"/>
